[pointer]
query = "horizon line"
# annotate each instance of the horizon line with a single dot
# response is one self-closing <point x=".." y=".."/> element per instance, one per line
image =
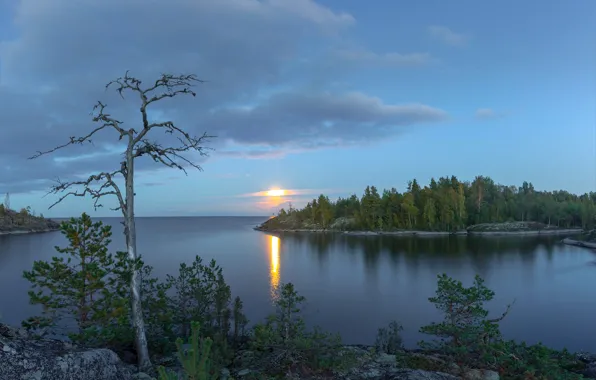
<point x="166" y="216"/>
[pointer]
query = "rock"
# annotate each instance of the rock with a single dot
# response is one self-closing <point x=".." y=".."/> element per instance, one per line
<point x="590" y="371"/>
<point x="422" y="375"/>
<point x="401" y="374"/>
<point x="386" y="359"/>
<point x="25" y="358"/>
<point x="141" y="376"/>
<point x="225" y="374"/>
<point x="480" y="374"/>
<point x="385" y="367"/>
<point x="590" y="361"/>
<point x="243" y="372"/>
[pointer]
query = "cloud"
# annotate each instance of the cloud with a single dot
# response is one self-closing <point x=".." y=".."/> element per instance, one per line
<point x="488" y="114"/>
<point x="324" y="119"/>
<point x="251" y="53"/>
<point x="387" y="59"/>
<point x="293" y="192"/>
<point x="447" y="36"/>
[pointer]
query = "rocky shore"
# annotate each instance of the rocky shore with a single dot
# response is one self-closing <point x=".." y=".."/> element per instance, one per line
<point x="580" y="243"/>
<point x="23" y="357"/>
<point x="12" y="223"/>
<point x="27" y="358"/>
<point x="27" y="231"/>
<point x="488" y="229"/>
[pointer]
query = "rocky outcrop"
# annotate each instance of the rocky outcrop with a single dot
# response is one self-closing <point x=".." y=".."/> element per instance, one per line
<point x="25" y="358"/>
<point x="580" y="243"/>
<point x="520" y="228"/>
<point x="364" y="365"/>
<point x="381" y="367"/>
<point x="12" y="222"/>
<point x="590" y="361"/>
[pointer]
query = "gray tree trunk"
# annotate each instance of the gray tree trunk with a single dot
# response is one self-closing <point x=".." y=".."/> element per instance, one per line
<point x="144" y="361"/>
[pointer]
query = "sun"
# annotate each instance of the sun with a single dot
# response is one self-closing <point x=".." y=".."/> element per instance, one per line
<point x="276" y="193"/>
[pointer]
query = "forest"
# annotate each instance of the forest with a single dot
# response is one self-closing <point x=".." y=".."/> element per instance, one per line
<point x="447" y="204"/>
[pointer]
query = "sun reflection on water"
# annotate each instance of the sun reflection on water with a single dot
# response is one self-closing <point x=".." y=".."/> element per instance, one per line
<point x="274" y="270"/>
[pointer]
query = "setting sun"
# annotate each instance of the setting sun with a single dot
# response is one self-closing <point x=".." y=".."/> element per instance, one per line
<point x="276" y="193"/>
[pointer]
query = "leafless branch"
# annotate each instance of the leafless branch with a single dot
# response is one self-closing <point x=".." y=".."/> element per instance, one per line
<point x="169" y="156"/>
<point x="105" y="182"/>
<point x="499" y="319"/>
<point x="101" y="184"/>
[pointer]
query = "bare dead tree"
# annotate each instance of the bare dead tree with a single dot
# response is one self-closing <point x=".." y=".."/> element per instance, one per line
<point x="138" y="145"/>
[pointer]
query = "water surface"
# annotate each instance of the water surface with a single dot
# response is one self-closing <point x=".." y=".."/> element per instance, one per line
<point x="354" y="284"/>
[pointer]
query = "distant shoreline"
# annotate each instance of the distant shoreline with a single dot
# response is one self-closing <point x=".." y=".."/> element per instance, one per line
<point x="23" y="232"/>
<point x="567" y="231"/>
<point x="580" y="243"/>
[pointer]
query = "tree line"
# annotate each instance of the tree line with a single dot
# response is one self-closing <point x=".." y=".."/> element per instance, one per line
<point x="449" y="205"/>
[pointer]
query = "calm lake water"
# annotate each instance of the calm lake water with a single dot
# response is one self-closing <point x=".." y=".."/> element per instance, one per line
<point x="354" y="285"/>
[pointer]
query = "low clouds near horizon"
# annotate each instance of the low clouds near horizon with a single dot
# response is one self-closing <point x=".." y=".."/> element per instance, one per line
<point x="269" y="87"/>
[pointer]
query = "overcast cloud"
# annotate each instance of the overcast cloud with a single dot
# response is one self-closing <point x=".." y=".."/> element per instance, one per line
<point x="266" y="63"/>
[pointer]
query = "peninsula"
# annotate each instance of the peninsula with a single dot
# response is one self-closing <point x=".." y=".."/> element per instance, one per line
<point x="23" y="221"/>
<point x="444" y="206"/>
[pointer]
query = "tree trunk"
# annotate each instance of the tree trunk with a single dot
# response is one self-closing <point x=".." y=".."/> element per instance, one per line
<point x="144" y="362"/>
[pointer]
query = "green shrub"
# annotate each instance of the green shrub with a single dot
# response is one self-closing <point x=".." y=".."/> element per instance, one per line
<point x="202" y="295"/>
<point x="196" y="360"/>
<point x="389" y="338"/>
<point x="474" y="341"/>
<point x="465" y="331"/>
<point x="288" y="346"/>
<point x="78" y="286"/>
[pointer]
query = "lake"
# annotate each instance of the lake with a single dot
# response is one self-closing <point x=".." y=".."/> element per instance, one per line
<point x="354" y="284"/>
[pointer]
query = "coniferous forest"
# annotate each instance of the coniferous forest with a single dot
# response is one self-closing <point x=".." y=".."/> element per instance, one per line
<point x="446" y="204"/>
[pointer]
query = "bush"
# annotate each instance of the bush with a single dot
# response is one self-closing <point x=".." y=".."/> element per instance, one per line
<point x="90" y="287"/>
<point x="196" y="360"/>
<point x="474" y="341"/>
<point x="389" y="338"/>
<point x="80" y="286"/>
<point x="202" y="295"/>
<point x="286" y="344"/>
<point x="465" y="331"/>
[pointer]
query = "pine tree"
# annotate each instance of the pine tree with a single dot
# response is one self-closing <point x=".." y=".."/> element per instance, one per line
<point x="79" y="284"/>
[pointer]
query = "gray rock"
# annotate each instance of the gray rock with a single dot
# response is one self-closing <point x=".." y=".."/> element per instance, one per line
<point x="590" y="371"/>
<point x="243" y="372"/>
<point x="24" y="358"/>
<point x="141" y="376"/>
<point x="386" y="359"/>
<point x="400" y="374"/>
<point x="421" y="375"/>
<point x="481" y="374"/>
<point x="385" y="367"/>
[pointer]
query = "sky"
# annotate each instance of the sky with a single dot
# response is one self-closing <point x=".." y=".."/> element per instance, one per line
<point x="315" y="97"/>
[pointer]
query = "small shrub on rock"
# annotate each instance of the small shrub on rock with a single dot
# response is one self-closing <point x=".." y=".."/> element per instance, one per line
<point x="202" y="295"/>
<point x="285" y="344"/>
<point x="196" y="360"/>
<point x="472" y="340"/>
<point x="389" y="338"/>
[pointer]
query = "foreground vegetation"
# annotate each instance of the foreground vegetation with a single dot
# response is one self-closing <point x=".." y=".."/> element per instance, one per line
<point x="444" y="205"/>
<point x="84" y="294"/>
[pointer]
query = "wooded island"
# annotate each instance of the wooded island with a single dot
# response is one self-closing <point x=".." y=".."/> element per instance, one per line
<point x="446" y="204"/>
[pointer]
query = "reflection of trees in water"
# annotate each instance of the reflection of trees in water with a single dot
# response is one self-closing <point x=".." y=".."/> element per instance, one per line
<point x="482" y="253"/>
<point x="371" y="247"/>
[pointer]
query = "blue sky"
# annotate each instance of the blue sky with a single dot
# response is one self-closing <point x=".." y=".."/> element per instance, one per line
<point x="326" y="96"/>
